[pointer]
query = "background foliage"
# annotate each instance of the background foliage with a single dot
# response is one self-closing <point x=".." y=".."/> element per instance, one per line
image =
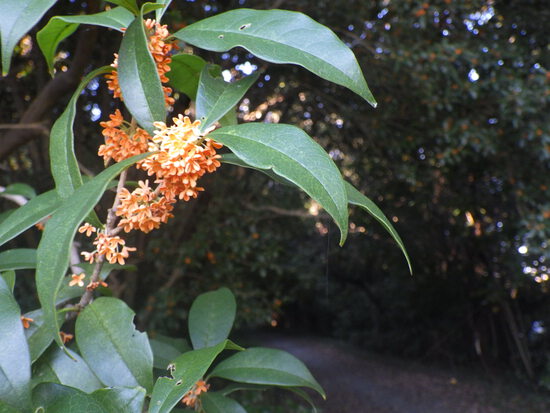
<point x="457" y="153"/>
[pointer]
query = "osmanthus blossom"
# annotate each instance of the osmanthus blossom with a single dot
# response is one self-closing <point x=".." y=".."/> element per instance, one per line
<point x="191" y="397"/>
<point x="181" y="155"/>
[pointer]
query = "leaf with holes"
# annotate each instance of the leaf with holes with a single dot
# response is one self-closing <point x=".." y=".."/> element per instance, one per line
<point x="186" y="370"/>
<point x="117" y="353"/>
<point x="281" y="36"/>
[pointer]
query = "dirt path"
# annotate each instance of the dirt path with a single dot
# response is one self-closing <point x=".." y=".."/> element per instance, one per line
<point x="358" y="382"/>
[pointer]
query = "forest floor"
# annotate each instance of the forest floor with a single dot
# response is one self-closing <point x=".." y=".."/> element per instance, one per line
<point x="363" y="382"/>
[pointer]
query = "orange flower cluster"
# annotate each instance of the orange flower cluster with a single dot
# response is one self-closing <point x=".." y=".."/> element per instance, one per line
<point x="160" y="50"/>
<point x="143" y="208"/>
<point x="112" y="247"/>
<point x="191" y="397"/>
<point x="119" y="145"/>
<point x="182" y="156"/>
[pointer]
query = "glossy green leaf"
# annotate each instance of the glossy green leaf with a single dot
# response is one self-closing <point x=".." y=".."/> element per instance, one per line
<point x="39" y="337"/>
<point x="149" y="7"/>
<point x="28" y="215"/>
<point x="230" y="118"/>
<point x="128" y="4"/>
<point x="186" y="370"/>
<point x="118" y="354"/>
<point x="9" y="278"/>
<point x="185" y="70"/>
<point x="216" y="403"/>
<point x="281" y="36"/>
<point x="18" y="259"/>
<point x="211" y="318"/>
<point x="233" y="387"/>
<point x="166" y="349"/>
<point x="216" y="97"/>
<point x="15" y="363"/>
<point x="18" y="17"/>
<point x="266" y="366"/>
<point x="121" y="399"/>
<point x="138" y="78"/>
<point x="232" y="159"/>
<point x="298" y="391"/>
<point x="54" y="248"/>
<point x="160" y="12"/>
<point x="357" y="198"/>
<point x="19" y="189"/>
<point x="292" y="154"/>
<point x="56" y="366"/>
<point x="60" y="27"/>
<point x="56" y="398"/>
<point x="6" y="408"/>
<point x="64" y="165"/>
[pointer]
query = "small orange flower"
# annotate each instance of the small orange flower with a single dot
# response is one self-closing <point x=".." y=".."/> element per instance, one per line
<point x="77" y="280"/>
<point x="87" y="228"/>
<point x="190" y="398"/>
<point x="93" y="285"/>
<point x="211" y="257"/>
<point x="65" y="337"/>
<point x="26" y="321"/>
<point x="187" y="260"/>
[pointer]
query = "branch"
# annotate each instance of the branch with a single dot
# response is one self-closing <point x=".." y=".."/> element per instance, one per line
<point x="56" y="88"/>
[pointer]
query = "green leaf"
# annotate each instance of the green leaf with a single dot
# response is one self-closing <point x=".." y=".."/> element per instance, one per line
<point x="18" y="17"/>
<point x="54" y="248"/>
<point x="267" y="366"/>
<point x="211" y="317"/>
<point x="28" y="215"/>
<point x="186" y="370"/>
<point x="292" y="154"/>
<point x="60" y="27"/>
<point x="233" y="387"/>
<point x="56" y="366"/>
<point x="128" y="4"/>
<point x="185" y="70"/>
<point x="216" y="403"/>
<point x="15" y="363"/>
<point x="230" y="118"/>
<point x="149" y="7"/>
<point x="64" y="165"/>
<point x="166" y="349"/>
<point x="121" y="399"/>
<point x="6" y="408"/>
<point x="160" y="12"/>
<point x="232" y="159"/>
<point x="38" y="335"/>
<point x="116" y="352"/>
<point x="18" y="259"/>
<point x="19" y="189"/>
<point x="138" y="78"/>
<point x="281" y="36"/>
<point x="216" y="97"/>
<point x="298" y="391"/>
<point x="357" y="198"/>
<point x="9" y="278"/>
<point x="56" y="398"/>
